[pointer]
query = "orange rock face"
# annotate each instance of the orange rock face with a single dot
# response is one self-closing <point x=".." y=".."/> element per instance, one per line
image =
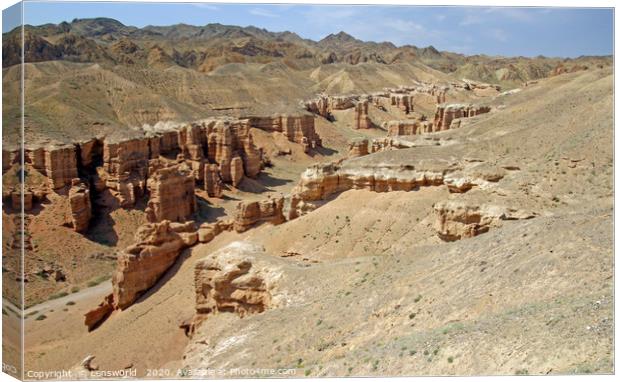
<point x="125" y="168"/>
<point x="358" y="148"/>
<point x="402" y="101"/>
<point x="212" y="181"/>
<point x="296" y="128"/>
<point x="236" y="171"/>
<point x="251" y="213"/>
<point x="79" y="200"/>
<point x="362" y="120"/>
<point x="142" y="264"/>
<point x="445" y="114"/>
<point x="171" y="194"/>
<point x="58" y="163"/>
<point x="97" y="315"/>
<point x="408" y="127"/>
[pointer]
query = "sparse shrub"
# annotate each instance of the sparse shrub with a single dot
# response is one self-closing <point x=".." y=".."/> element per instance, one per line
<point x="70" y="303"/>
<point x="522" y="372"/>
<point x="450" y="359"/>
<point x="418" y="298"/>
<point x="41" y="317"/>
<point x="75" y="289"/>
<point x="58" y="295"/>
<point x="412" y="352"/>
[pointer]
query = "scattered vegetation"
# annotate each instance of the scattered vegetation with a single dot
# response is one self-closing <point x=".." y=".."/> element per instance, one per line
<point x="58" y="295"/>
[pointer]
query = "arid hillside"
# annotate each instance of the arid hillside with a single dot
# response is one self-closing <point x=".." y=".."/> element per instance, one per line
<point x="107" y="77"/>
<point x="488" y="250"/>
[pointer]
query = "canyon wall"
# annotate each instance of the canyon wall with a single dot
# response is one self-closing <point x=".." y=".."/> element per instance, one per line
<point x="445" y="114"/>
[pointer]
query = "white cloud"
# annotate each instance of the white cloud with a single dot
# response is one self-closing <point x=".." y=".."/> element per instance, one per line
<point x="263" y="12"/>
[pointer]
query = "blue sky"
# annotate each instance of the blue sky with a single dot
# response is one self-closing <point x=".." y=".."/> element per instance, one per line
<point x="564" y="32"/>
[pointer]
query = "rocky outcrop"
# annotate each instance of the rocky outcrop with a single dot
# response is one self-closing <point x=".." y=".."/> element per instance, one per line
<point x="140" y="265"/>
<point x="9" y="158"/>
<point x="236" y="171"/>
<point x="320" y="181"/>
<point x="457" y="220"/>
<point x="250" y="213"/>
<point x="445" y="114"/>
<point x="402" y="101"/>
<point x="296" y="128"/>
<point x="473" y="85"/>
<point x="358" y="147"/>
<point x="171" y="194"/>
<point x="320" y="106"/>
<point x="79" y="201"/>
<point x="212" y="181"/>
<point x="233" y="280"/>
<point x="407" y="127"/>
<point x="96" y="316"/>
<point x="125" y="168"/>
<point x="57" y="162"/>
<point x="208" y="231"/>
<point x="362" y="120"/>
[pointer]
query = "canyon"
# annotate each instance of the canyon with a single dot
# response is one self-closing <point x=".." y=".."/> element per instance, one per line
<point x="338" y="214"/>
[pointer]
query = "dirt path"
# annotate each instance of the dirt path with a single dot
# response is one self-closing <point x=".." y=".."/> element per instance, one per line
<point x="98" y="290"/>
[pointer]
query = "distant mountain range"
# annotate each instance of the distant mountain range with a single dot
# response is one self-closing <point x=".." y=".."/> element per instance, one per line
<point x="204" y="48"/>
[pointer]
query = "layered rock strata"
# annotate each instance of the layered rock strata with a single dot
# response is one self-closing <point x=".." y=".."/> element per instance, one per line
<point x="80" y="204"/>
<point x="143" y="263"/>
<point x="445" y="114"/>
<point x="231" y="283"/>
<point x="212" y="182"/>
<point x="407" y="127"/>
<point x="358" y="147"/>
<point x="250" y="213"/>
<point x="296" y="128"/>
<point x="455" y="220"/>
<point x="171" y="194"/>
<point x="362" y="120"/>
<point x="402" y="101"/>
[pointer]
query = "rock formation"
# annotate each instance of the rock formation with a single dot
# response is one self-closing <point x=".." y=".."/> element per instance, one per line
<point x="358" y="147"/>
<point x="233" y="280"/>
<point x="124" y="171"/>
<point x="208" y="231"/>
<point x="407" y="127"/>
<point x="250" y="213"/>
<point x="143" y="263"/>
<point x="171" y="194"/>
<point x="320" y="181"/>
<point x="236" y="171"/>
<point x="362" y="120"/>
<point x="402" y="101"/>
<point x="57" y="162"/>
<point x="94" y="317"/>
<point x="79" y="201"/>
<point x="212" y="181"/>
<point x="445" y="114"/>
<point x="296" y="128"/>
<point x="458" y="220"/>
